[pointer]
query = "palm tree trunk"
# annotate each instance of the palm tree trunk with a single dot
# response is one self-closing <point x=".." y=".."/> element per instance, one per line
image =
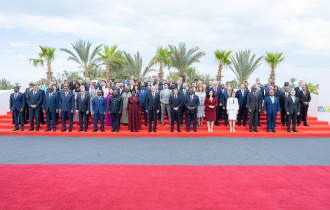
<point x="49" y="73"/>
<point x="161" y="72"/>
<point x="219" y="76"/>
<point x="107" y="72"/>
<point x="183" y="75"/>
<point x="272" y="74"/>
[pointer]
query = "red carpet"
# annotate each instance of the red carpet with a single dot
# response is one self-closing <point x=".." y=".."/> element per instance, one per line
<point x="164" y="187"/>
<point x="316" y="129"/>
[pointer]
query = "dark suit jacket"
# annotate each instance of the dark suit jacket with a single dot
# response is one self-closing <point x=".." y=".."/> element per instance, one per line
<point x="115" y="104"/>
<point x="225" y="97"/>
<point x="175" y="102"/>
<point x="253" y="102"/>
<point x="242" y="100"/>
<point x="18" y="103"/>
<point x="72" y="85"/>
<point x="34" y="100"/>
<point x="270" y="107"/>
<point x="83" y="105"/>
<point x="66" y="103"/>
<point x="153" y="104"/>
<point x="282" y="100"/>
<point x="191" y="103"/>
<point x="304" y="98"/>
<point x="51" y="103"/>
<point x="292" y="107"/>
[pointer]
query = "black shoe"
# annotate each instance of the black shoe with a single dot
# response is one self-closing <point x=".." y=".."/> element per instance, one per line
<point x="188" y="130"/>
<point x="22" y="129"/>
<point x="102" y="130"/>
<point x="195" y="130"/>
<point x="283" y="125"/>
<point x="298" y="124"/>
<point x="37" y="129"/>
<point x="244" y="124"/>
<point x="179" y="131"/>
<point x="85" y="130"/>
<point x="63" y="130"/>
<point x="216" y="123"/>
<point x="94" y="130"/>
<point x="259" y="125"/>
<point x="54" y="130"/>
<point x="239" y="124"/>
<point x="226" y="124"/>
<point x="273" y="131"/>
<point x="171" y="130"/>
<point x="289" y="131"/>
<point x="70" y="130"/>
<point x="31" y="129"/>
<point x="113" y="130"/>
<point x="250" y="130"/>
<point x="80" y="130"/>
<point x="136" y="130"/>
<point x="295" y="131"/>
<point x="16" y="129"/>
<point x="47" y="130"/>
<point x="117" y="130"/>
<point x="149" y="130"/>
<point x="145" y="124"/>
<point x="155" y="130"/>
<point x="267" y="131"/>
<point x="255" y="130"/>
<point x="306" y="125"/>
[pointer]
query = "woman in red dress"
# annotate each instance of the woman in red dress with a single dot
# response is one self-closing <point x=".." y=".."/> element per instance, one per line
<point x="134" y="113"/>
<point x="210" y="110"/>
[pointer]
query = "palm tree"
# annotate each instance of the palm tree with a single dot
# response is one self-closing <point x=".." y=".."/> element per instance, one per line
<point x="134" y="66"/>
<point x="85" y="60"/>
<point x="293" y="80"/>
<point x="4" y="84"/>
<point x="244" y="66"/>
<point x="47" y="55"/>
<point x="162" y="58"/>
<point x="182" y="59"/>
<point x="110" y="56"/>
<point x="222" y="58"/>
<point x="273" y="60"/>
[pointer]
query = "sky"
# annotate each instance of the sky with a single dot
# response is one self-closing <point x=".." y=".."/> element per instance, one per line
<point x="298" y="28"/>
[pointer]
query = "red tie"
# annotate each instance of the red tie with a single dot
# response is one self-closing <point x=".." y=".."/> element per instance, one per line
<point x="305" y="93"/>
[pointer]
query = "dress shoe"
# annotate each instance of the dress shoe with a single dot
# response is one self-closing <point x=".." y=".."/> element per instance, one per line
<point x="179" y="131"/>
<point x="63" y="130"/>
<point x="298" y="124"/>
<point x="155" y="130"/>
<point x="306" y="125"/>
<point x="70" y="130"/>
<point x="42" y="123"/>
<point x="16" y="129"/>
<point x="267" y="131"/>
<point x="85" y="130"/>
<point x="136" y="130"/>
<point x="295" y="131"/>
<point x="188" y="130"/>
<point x="273" y="131"/>
<point x="117" y="131"/>
<point x="94" y="130"/>
<point x="80" y="130"/>
<point x="239" y="124"/>
<point x="145" y="124"/>
<point x="113" y="130"/>
<point x="195" y="130"/>
<point x="54" y="130"/>
<point x="226" y="124"/>
<point x="289" y="131"/>
<point x="259" y="125"/>
<point x="283" y="125"/>
<point x="255" y="130"/>
<point x="37" y="129"/>
<point x="244" y="124"/>
<point x="250" y="130"/>
<point x="47" y="130"/>
<point x="102" y="130"/>
<point x="171" y="131"/>
<point x="22" y="129"/>
<point x="149" y="130"/>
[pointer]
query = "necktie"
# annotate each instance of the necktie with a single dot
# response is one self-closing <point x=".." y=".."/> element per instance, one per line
<point x="305" y="93"/>
<point x="34" y="93"/>
<point x="191" y="98"/>
<point x="215" y="91"/>
<point x="243" y="93"/>
<point x="100" y="97"/>
<point x="293" y="99"/>
<point x="82" y="98"/>
<point x="184" y="92"/>
<point x="153" y="96"/>
<point x="175" y="96"/>
<point x="49" y="95"/>
<point x="15" y="96"/>
<point x="286" y="94"/>
<point x="272" y="99"/>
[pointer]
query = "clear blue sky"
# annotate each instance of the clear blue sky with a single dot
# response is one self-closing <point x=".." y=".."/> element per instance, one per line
<point x="299" y="28"/>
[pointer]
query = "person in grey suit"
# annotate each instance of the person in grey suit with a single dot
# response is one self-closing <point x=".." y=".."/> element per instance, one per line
<point x="292" y="109"/>
<point x="254" y="107"/>
<point x="165" y="95"/>
<point x="92" y="95"/>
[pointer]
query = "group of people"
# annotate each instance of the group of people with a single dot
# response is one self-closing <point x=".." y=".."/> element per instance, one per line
<point x="116" y="102"/>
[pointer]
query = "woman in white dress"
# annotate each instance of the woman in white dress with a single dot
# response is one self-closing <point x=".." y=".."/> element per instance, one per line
<point x="232" y="110"/>
<point x="201" y="109"/>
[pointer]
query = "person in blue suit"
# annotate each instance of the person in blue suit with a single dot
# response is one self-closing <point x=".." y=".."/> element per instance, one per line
<point x="271" y="109"/>
<point x="142" y="95"/>
<point x="191" y="103"/>
<point x="241" y="96"/>
<point x="66" y="107"/>
<point x="115" y="108"/>
<point x="50" y="108"/>
<point x="99" y="110"/>
<point x="17" y="105"/>
<point x="183" y="92"/>
<point x="34" y="99"/>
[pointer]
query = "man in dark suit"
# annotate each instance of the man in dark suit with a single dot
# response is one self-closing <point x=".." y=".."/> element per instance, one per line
<point x="66" y="107"/>
<point x="34" y="100"/>
<point x="292" y="109"/>
<point x="73" y="83"/>
<point x="153" y="107"/>
<point x="284" y="96"/>
<point x="261" y="92"/>
<point x="142" y="82"/>
<point x="171" y="83"/>
<point x="226" y="95"/>
<point x="115" y="108"/>
<point x="42" y="119"/>
<point x="183" y="93"/>
<point x="82" y="108"/>
<point x="299" y="88"/>
<point x="305" y="98"/>
<point x="125" y="81"/>
<point x="17" y="105"/>
<point x="121" y="89"/>
<point x="254" y="107"/>
<point x="159" y="83"/>
<point x="191" y="103"/>
<point x="99" y="110"/>
<point x="113" y="83"/>
<point x="271" y="109"/>
<point x="50" y="108"/>
<point x="241" y="96"/>
<point x="175" y="104"/>
<point x="142" y="95"/>
<point x="26" y="109"/>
